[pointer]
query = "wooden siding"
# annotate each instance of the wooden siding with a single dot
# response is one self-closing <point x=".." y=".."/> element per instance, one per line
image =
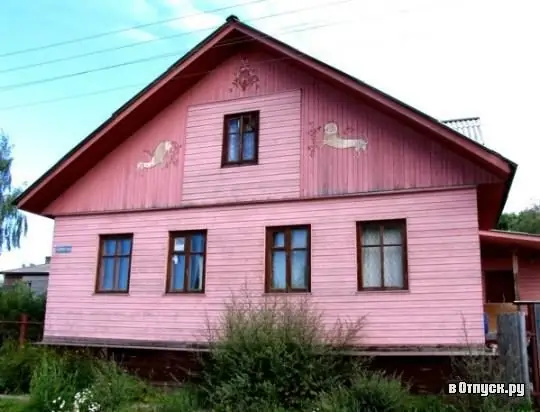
<point x="277" y="174"/>
<point x="443" y="259"/>
<point x="396" y="157"/>
<point x="529" y="280"/>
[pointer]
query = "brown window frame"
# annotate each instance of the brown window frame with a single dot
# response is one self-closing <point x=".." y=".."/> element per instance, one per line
<point x="402" y="223"/>
<point x="226" y="139"/>
<point x="187" y="234"/>
<point x="270" y="231"/>
<point x="117" y="255"/>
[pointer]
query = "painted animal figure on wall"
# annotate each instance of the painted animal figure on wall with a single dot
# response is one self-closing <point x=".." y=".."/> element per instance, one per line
<point x="165" y="153"/>
<point x="333" y="139"/>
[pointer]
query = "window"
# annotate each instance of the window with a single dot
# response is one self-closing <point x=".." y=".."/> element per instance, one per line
<point x="499" y="286"/>
<point x="382" y="255"/>
<point x="187" y="262"/>
<point x="114" y="263"/>
<point x="288" y="259"/>
<point x="241" y="139"/>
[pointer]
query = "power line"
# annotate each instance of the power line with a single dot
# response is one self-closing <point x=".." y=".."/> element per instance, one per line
<point x="109" y="49"/>
<point x="108" y="90"/>
<point x="139" y="26"/>
<point x="123" y="64"/>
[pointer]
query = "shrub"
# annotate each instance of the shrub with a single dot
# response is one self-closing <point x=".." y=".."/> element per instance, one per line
<point x="15" y="301"/>
<point x="17" y="365"/>
<point x="186" y="399"/>
<point x="276" y="353"/>
<point x="486" y="369"/>
<point x="113" y="388"/>
<point x="371" y="392"/>
<point x="53" y="384"/>
<point x="76" y="381"/>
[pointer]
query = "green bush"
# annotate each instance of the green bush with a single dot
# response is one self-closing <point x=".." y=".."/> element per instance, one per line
<point x="113" y="388"/>
<point x="75" y="377"/>
<point x="371" y="392"/>
<point x="17" y="365"/>
<point x="53" y="383"/>
<point x="186" y="399"/>
<point x="14" y="301"/>
<point x="276" y="354"/>
<point x="483" y="369"/>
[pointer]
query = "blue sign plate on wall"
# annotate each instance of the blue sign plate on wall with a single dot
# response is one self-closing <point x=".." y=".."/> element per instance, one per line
<point x="62" y="249"/>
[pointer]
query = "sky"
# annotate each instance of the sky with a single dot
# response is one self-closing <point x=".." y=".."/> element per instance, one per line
<point x="448" y="58"/>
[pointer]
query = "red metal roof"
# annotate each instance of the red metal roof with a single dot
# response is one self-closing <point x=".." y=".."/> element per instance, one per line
<point x="206" y="56"/>
<point x="511" y="239"/>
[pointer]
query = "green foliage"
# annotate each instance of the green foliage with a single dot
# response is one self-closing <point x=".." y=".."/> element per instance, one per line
<point x="371" y="392"/>
<point x="527" y="220"/>
<point x="113" y="388"/>
<point x="55" y="378"/>
<point x="52" y="383"/>
<point x="274" y="354"/>
<point x="11" y="405"/>
<point x="186" y="399"/>
<point x="484" y="369"/>
<point x="15" y="301"/>
<point x="13" y="224"/>
<point x="17" y="365"/>
<point x="65" y="378"/>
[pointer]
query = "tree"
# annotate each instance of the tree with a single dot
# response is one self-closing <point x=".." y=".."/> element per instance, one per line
<point x="528" y="220"/>
<point x="13" y="224"/>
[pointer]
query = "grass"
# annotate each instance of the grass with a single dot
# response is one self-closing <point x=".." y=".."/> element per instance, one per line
<point x="12" y="405"/>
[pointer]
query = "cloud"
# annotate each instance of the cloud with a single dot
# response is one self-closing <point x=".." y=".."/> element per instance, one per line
<point x="195" y="18"/>
<point x="140" y="35"/>
<point x="143" y="10"/>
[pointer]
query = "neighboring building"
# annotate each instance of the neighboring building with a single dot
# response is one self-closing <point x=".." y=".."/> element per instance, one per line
<point x="35" y="276"/>
<point x="250" y="163"/>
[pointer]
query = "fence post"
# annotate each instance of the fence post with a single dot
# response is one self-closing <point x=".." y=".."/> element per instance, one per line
<point x="512" y="343"/>
<point x="23" y="329"/>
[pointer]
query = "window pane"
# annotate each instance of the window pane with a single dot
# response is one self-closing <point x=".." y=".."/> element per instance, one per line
<point x="109" y="247"/>
<point x="123" y="272"/>
<point x="279" y="239"/>
<point x="107" y="273"/>
<point x="279" y="270"/>
<point x="299" y="272"/>
<point x="197" y="243"/>
<point x="233" y="154"/>
<point x="392" y="235"/>
<point x="393" y="266"/>
<point x="371" y="267"/>
<point x="234" y="125"/>
<point x="125" y="246"/>
<point x="299" y="238"/>
<point x="178" y="264"/>
<point x="179" y="243"/>
<point x="371" y="235"/>
<point x="195" y="272"/>
<point x="250" y="123"/>
<point x="248" y="148"/>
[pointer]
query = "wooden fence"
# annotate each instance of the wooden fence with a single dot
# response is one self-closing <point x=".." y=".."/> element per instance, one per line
<point x="24" y="330"/>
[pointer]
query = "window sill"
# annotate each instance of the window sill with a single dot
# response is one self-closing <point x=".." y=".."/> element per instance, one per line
<point x="110" y="293"/>
<point x="183" y="294"/>
<point x="228" y="165"/>
<point x="286" y="293"/>
<point x="364" y="291"/>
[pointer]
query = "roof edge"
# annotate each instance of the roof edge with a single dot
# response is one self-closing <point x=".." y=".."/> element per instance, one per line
<point x="19" y="200"/>
<point x="490" y="158"/>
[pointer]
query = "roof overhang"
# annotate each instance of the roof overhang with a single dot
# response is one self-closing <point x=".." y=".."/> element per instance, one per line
<point x="512" y="240"/>
<point x="206" y="56"/>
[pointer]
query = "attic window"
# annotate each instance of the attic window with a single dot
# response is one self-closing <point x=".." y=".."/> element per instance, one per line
<point x="240" y="139"/>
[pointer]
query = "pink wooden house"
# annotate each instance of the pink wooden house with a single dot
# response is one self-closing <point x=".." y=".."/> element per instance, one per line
<point x="250" y="163"/>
